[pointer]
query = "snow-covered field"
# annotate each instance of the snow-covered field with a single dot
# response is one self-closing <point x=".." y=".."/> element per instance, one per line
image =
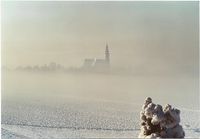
<point x="90" y="106"/>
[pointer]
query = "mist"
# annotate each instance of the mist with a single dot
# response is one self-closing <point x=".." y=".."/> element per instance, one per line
<point x="74" y="66"/>
<point x="157" y="37"/>
<point x="153" y="50"/>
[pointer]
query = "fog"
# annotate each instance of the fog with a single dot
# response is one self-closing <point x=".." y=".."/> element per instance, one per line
<point x="148" y="37"/>
<point x="88" y="91"/>
<point x="55" y="88"/>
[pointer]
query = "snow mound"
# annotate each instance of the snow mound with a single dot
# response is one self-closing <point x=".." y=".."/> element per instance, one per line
<point x="159" y="122"/>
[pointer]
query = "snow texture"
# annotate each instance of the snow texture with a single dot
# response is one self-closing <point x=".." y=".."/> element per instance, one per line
<point x="80" y="119"/>
<point x="159" y="122"/>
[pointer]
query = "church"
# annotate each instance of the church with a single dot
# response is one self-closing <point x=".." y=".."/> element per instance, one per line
<point x="98" y="64"/>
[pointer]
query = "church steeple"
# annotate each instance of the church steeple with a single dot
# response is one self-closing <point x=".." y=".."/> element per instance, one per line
<point x="107" y="54"/>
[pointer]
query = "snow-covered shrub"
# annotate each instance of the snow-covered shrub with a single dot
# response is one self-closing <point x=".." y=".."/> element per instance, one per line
<point x="158" y="122"/>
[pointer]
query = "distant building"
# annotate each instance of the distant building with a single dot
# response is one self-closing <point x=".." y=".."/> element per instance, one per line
<point x="46" y="67"/>
<point x="98" y="64"/>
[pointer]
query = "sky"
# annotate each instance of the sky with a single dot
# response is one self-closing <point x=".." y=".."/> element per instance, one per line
<point x="154" y="37"/>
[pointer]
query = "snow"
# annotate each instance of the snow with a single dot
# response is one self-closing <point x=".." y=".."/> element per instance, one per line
<point x="82" y="120"/>
<point x="41" y="109"/>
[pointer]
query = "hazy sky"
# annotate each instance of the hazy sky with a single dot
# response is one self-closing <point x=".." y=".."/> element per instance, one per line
<point x="151" y="36"/>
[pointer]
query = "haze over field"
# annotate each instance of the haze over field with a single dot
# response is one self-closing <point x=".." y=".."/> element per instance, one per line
<point x="155" y="37"/>
<point x="63" y="105"/>
<point x="153" y="51"/>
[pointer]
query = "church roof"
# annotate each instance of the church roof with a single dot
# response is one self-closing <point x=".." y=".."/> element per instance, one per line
<point x="100" y="60"/>
<point x="89" y="62"/>
<point x="93" y="63"/>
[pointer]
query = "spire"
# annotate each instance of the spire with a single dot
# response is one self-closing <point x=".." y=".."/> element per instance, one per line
<point x="107" y="48"/>
<point x="107" y="54"/>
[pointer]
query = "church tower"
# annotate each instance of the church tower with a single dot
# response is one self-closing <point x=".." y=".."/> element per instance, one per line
<point x="107" y="54"/>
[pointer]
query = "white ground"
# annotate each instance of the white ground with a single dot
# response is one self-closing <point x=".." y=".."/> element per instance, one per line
<point x="43" y="106"/>
<point x="84" y="120"/>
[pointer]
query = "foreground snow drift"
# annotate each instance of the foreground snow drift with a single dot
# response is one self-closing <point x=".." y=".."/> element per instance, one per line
<point x="12" y="131"/>
<point x="28" y="132"/>
<point x="87" y="106"/>
<point x="81" y="120"/>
